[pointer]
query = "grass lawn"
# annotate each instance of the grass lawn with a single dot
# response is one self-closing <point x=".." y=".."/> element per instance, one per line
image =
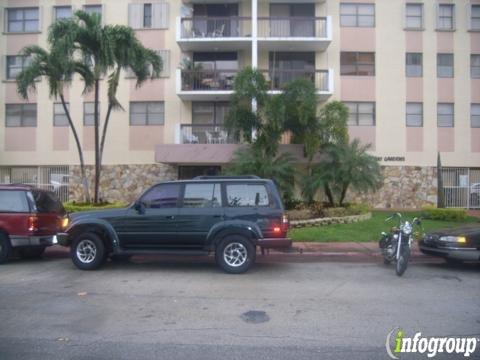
<point x="368" y="230"/>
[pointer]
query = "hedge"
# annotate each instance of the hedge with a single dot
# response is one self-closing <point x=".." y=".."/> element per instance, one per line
<point x="433" y="213"/>
<point x="77" y="207"/>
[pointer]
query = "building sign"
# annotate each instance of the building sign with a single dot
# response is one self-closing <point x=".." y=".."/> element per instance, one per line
<point x="390" y="158"/>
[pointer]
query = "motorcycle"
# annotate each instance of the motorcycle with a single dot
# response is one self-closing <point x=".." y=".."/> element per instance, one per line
<point x="396" y="245"/>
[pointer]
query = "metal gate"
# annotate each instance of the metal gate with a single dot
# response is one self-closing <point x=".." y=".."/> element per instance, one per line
<point x="461" y="187"/>
<point x="53" y="178"/>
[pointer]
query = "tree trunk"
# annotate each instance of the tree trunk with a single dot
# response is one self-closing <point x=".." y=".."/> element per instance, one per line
<point x="329" y="194"/>
<point x="344" y="193"/>
<point x="97" y="142"/>
<point x="104" y="132"/>
<point x="86" y="192"/>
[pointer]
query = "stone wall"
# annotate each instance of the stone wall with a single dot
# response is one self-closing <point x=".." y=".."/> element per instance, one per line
<point x="122" y="182"/>
<point x="404" y="187"/>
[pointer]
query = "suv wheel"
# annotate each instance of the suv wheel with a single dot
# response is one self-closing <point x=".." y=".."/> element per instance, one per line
<point x="31" y="253"/>
<point x="88" y="251"/>
<point x="235" y="254"/>
<point x="5" y="248"/>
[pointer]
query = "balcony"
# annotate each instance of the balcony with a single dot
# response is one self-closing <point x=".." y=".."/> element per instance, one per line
<point x="199" y="33"/>
<point x="204" y="134"/>
<point x="294" y="33"/>
<point x="323" y="80"/>
<point x="205" y="84"/>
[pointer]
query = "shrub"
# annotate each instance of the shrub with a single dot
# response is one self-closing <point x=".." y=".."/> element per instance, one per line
<point x="299" y="214"/>
<point x="433" y="213"/>
<point x="73" y="206"/>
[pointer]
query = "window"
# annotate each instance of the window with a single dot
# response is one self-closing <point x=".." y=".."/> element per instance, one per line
<point x="209" y="113"/>
<point x="147" y="15"/>
<point x="446" y="17"/>
<point x="414" y="16"/>
<point x="162" y="196"/>
<point x="21" y="115"/>
<point x="357" y="63"/>
<point x="47" y="202"/>
<point x="475" y="17"/>
<point x="475" y="66"/>
<point x="288" y="66"/>
<point x="361" y="113"/>
<point x="153" y="15"/>
<point x="13" y="201"/>
<point x="475" y="116"/>
<point x="62" y="12"/>
<point x="93" y="9"/>
<point x="15" y="64"/>
<point x="286" y="20"/>
<point x="247" y="195"/>
<point x="22" y="20"/>
<point x="59" y="116"/>
<point x="357" y="15"/>
<point x="89" y="113"/>
<point x="445" y="65"/>
<point x="414" y="65"/>
<point x="414" y="113"/>
<point x="147" y="113"/>
<point x="445" y="115"/>
<point x="202" y="196"/>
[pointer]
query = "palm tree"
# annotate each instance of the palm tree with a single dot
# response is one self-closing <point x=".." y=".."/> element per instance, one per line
<point x="253" y="160"/>
<point x="58" y="67"/>
<point x="107" y="50"/>
<point x="344" y="166"/>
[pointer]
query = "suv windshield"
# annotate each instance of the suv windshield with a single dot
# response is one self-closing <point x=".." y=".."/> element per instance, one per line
<point x="47" y="202"/>
<point x="13" y="201"/>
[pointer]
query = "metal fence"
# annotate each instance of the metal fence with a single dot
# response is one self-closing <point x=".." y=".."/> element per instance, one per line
<point x="278" y="78"/>
<point x="53" y="178"/>
<point x="205" y="134"/>
<point x="216" y="27"/>
<point x="461" y="187"/>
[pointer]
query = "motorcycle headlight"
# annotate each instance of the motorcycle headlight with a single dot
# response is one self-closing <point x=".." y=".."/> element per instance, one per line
<point x="453" y="239"/>
<point x="407" y="228"/>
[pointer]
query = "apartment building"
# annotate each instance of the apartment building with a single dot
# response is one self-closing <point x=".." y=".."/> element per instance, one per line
<point x="409" y="71"/>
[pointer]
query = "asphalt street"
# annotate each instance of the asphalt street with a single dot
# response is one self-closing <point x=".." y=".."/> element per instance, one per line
<point x="157" y="308"/>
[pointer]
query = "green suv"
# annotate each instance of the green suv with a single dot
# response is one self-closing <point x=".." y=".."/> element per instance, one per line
<point x="229" y="216"/>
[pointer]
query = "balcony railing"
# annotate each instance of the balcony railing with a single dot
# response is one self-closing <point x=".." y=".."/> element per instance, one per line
<point x="292" y="26"/>
<point x="208" y="80"/>
<point x="205" y="134"/>
<point x="202" y="27"/>
<point x="278" y="78"/>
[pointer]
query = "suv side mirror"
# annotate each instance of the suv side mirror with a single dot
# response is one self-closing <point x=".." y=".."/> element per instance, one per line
<point x="139" y="206"/>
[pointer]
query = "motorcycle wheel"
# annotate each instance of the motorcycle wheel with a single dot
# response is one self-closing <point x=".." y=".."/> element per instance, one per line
<point x="402" y="262"/>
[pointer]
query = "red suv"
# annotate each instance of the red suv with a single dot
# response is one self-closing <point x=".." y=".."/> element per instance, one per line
<point x="30" y="218"/>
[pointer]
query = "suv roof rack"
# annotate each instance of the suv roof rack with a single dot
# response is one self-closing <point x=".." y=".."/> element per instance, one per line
<point x="204" y="177"/>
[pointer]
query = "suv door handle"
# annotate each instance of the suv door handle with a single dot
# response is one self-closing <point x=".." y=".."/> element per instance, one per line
<point x="171" y="217"/>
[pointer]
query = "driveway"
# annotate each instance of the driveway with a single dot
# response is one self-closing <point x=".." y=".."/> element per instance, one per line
<point x="156" y="308"/>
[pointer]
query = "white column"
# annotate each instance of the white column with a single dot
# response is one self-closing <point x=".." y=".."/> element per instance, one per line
<point x="254" y="50"/>
<point x="254" y="34"/>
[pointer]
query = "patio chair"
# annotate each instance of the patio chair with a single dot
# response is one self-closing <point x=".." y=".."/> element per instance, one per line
<point x="223" y="137"/>
<point x="189" y="138"/>
<point x="219" y="32"/>
<point x="209" y="137"/>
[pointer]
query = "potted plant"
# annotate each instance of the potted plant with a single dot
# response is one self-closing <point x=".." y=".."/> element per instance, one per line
<point x="191" y="73"/>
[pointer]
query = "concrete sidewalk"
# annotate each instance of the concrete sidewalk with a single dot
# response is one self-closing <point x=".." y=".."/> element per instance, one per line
<point x="342" y="251"/>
